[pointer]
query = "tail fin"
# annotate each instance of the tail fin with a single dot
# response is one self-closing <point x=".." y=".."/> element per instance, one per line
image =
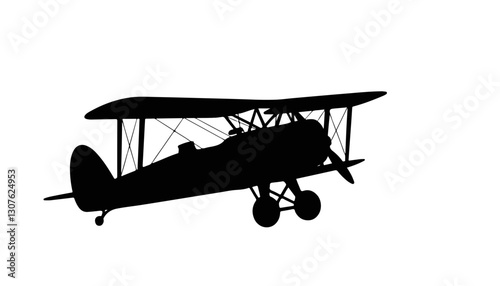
<point x="90" y="180"/>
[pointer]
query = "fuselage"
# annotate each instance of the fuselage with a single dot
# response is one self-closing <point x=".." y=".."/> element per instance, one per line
<point x="248" y="159"/>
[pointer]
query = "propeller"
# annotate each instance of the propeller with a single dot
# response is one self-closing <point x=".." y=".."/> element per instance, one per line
<point x="342" y="168"/>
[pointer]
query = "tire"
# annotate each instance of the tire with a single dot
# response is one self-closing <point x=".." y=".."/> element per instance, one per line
<point x="266" y="211"/>
<point x="99" y="220"/>
<point x="307" y="205"/>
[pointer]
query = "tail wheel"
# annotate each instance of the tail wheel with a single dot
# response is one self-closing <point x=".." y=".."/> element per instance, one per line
<point x="307" y="205"/>
<point x="99" y="220"/>
<point x="266" y="211"/>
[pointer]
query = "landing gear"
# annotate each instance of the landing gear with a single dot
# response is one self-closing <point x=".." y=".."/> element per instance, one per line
<point x="100" y="219"/>
<point x="307" y="205"/>
<point x="266" y="210"/>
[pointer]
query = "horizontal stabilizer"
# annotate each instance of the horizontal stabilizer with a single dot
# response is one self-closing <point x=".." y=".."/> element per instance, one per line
<point x="59" y="197"/>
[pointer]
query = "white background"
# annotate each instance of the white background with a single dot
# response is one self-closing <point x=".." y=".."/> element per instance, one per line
<point x="439" y="226"/>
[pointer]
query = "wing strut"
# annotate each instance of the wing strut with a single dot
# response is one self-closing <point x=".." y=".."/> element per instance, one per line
<point x="327" y="120"/>
<point x="119" y="123"/>
<point x="229" y="121"/>
<point x="142" y="124"/>
<point x="348" y="133"/>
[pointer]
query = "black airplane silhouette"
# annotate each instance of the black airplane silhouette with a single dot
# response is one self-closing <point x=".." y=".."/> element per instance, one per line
<point x="268" y="151"/>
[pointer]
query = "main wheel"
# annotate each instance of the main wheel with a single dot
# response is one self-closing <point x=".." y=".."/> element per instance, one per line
<point x="307" y="205"/>
<point x="266" y="211"/>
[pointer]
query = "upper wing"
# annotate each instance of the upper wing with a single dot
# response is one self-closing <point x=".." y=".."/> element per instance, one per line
<point x="168" y="107"/>
<point x="172" y="107"/>
<point x="322" y="102"/>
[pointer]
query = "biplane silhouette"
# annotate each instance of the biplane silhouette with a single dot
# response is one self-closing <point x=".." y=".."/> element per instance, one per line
<point x="266" y="151"/>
